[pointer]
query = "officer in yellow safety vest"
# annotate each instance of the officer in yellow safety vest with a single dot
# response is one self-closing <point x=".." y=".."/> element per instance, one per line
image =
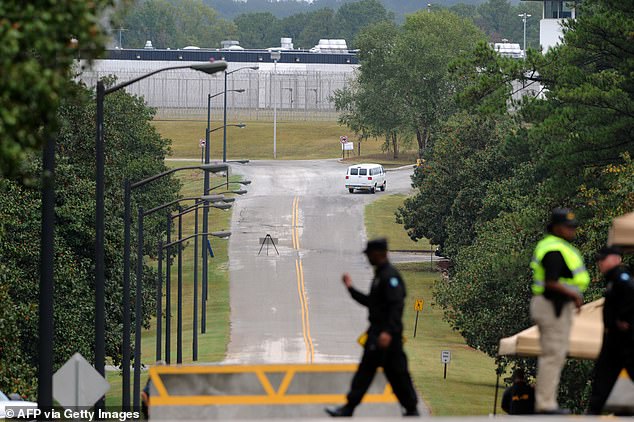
<point x="559" y="280"/>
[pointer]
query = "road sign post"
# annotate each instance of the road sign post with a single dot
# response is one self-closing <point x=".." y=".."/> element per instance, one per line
<point x="343" y="139"/>
<point x="418" y="307"/>
<point x="445" y="358"/>
<point x="202" y="144"/>
<point x="77" y="384"/>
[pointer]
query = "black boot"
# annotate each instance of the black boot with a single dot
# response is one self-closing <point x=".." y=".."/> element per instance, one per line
<point x="337" y="412"/>
<point x="411" y="412"/>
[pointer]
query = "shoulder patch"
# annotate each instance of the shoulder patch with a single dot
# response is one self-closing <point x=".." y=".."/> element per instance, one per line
<point x="625" y="277"/>
<point x="393" y="281"/>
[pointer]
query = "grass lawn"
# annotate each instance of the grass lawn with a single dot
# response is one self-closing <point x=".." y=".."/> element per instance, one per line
<point x="380" y="221"/>
<point x="470" y="385"/>
<point x="296" y="140"/>
<point x="211" y="345"/>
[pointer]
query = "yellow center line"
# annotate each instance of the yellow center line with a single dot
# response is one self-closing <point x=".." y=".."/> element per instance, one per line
<point x="310" y="339"/>
<point x="301" y="287"/>
<point x="297" y="223"/>
<point x="301" y="301"/>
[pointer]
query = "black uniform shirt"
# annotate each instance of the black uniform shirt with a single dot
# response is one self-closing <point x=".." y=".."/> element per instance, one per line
<point x="385" y="301"/>
<point x="619" y="299"/>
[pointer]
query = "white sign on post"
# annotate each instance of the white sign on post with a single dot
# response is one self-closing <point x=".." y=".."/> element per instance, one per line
<point x="348" y="146"/>
<point x="202" y="143"/>
<point x="78" y="384"/>
<point x="445" y="356"/>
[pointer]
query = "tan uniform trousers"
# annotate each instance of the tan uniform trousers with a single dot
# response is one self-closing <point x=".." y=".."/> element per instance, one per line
<point x="554" y="336"/>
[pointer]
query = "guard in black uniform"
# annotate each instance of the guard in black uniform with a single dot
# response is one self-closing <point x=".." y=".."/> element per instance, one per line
<point x="617" y="351"/>
<point x="384" y="344"/>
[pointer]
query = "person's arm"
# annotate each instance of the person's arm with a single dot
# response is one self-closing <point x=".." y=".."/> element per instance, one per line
<point x="361" y="298"/>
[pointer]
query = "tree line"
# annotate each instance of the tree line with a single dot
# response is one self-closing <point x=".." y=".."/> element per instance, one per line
<point x="40" y="102"/>
<point x="176" y="24"/>
<point x="494" y="167"/>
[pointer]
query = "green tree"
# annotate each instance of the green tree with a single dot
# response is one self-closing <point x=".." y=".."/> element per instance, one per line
<point x="352" y="17"/>
<point x="429" y="42"/>
<point x="151" y="20"/>
<point x="378" y="99"/>
<point x="570" y="148"/>
<point x="173" y="24"/>
<point x="200" y="25"/>
<point x="135" y="150"/>
<point x="258" y="30"/>
<point x="319" y="24"/>
<point x="38" y="42"/>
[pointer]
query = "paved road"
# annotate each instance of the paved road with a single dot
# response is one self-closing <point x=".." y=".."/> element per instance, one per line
<point x="292" y="308"/>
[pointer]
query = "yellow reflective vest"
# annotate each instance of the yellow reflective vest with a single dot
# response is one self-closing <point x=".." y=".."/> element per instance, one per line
<point x="573" y="259"/>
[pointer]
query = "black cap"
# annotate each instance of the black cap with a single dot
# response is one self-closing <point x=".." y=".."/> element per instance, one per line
<point x="563" y="216"/>
<point x="376" y="245"/>
<point x="605" y="251"/>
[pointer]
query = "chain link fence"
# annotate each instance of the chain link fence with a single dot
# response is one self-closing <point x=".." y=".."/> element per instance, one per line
<point x="301" y="94"/>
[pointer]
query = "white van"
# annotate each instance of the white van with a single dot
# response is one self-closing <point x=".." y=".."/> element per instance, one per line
<point x="366" y="177"/>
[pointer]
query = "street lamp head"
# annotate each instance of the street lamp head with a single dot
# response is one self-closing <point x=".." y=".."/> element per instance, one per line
<point x="239" y="191"/>
<point x="221" y="206"/>
<point x="211" y="198"/>
<point x="244" y="182"/>
<point x="241" y="125"/>
<point x="221" y="234"/>
<point x="214" y="168"/>
<point x="228" y="200"/>
<point x="239" y="90"/>
<point x="210" y="68"/>
<point x="254" y="67"/>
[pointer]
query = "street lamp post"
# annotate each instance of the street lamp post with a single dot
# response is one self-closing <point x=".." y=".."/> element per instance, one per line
<point x="159" y="300"/>
<point x="524" y="17"/>
<point x="205" y="263"/>
<point x="224" y="205"/>
<point x="47" y="268"/>
<point x="159" y="292"/>
<point x="275" y="56"/>
<point x="128" y="187"/>
<point x="139" y="292"/>
<point x="100" y="320"/>
<point x="207" y="158"/>
<point x="224" y="135"/>
<point x="168" y="294"/>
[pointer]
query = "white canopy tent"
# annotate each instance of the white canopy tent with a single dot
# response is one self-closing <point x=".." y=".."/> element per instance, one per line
<point x="622" y="232"/>
<point x="586" y="338"/>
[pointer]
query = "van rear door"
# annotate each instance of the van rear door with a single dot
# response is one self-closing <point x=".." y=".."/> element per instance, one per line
<point x="362" y="179"/>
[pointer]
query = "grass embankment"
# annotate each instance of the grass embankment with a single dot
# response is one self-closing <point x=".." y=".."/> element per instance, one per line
<point x="380" y="222"/>
<point x="297" y="140"/>
<point x="211" y="345"/>
<point x="470" y="384"/>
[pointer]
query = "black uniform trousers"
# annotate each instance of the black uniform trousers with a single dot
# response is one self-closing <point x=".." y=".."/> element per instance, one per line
<point x="394" y="364"/>
<point x="617" y="353"/>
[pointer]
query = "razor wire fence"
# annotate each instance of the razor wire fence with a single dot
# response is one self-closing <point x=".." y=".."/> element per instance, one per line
<point x="303" y="95"/>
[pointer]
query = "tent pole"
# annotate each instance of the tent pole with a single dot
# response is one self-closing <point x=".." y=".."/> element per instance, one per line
<point x="497" y="387"/>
